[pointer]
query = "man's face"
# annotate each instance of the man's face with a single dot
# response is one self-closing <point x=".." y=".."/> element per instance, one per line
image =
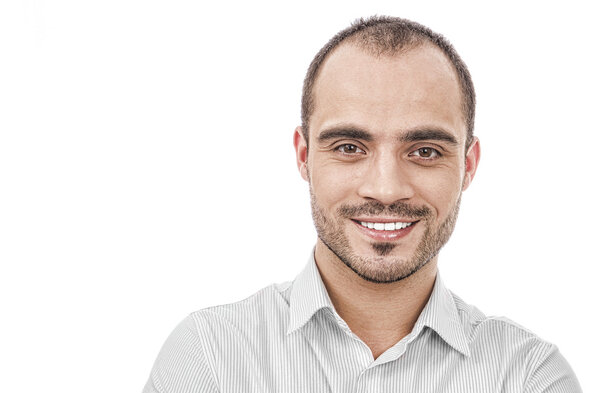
<point x="386" y="165"/>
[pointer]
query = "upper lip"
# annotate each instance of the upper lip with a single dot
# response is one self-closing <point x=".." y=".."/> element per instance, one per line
<point x="382" y="219"/>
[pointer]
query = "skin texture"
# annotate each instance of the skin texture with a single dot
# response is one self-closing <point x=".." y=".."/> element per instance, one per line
<point x="387" y="143"/>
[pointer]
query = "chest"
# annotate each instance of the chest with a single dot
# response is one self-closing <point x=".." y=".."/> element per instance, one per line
<point x="338" y="363"/>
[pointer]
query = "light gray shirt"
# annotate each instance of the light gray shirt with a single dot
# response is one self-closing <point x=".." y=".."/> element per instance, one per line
<point x="289" y="338"/>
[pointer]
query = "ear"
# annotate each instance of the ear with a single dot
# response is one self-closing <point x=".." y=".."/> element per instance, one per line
<point x="301" y="147"/>
<point x="471" y="162"/>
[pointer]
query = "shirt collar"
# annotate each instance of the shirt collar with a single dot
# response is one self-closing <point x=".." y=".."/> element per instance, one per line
<point x="308" y="295"/>
<point x="441" y="315"/>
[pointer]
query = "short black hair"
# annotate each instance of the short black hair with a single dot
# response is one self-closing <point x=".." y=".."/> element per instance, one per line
<point x="389" y="35"/>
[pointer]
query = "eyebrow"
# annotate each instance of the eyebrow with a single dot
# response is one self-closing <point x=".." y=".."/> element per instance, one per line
<point x="425" y="134"/>
<point x="345" y="132"/>
<point x="428" y="134"/>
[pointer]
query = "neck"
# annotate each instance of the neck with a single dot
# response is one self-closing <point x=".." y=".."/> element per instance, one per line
<point x="379" y="314"/>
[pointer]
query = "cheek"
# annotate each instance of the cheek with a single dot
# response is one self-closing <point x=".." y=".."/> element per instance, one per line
<point x="333" y="183"/>
<point x="328" y="187"/>
<point x="441" y="190"/>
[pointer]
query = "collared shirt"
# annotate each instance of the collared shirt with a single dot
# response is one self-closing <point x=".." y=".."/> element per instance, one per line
<point x="289" y="338"/>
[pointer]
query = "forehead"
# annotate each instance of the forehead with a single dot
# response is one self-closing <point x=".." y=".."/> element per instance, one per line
<point x="389" y="93"/>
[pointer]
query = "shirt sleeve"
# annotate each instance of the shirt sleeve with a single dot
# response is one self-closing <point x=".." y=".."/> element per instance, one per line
<point x="182" y="366"/>
<point x="551" y="373"/>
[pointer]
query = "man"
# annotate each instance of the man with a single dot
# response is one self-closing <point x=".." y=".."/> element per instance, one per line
<point x="387" y="148"/>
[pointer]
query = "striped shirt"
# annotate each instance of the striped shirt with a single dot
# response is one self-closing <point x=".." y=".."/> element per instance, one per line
<point x="289" y="338"/>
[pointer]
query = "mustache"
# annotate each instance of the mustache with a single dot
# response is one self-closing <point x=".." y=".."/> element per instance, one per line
<point x="375" y="208"/>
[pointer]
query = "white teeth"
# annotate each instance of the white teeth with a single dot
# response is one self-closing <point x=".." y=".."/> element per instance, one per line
<point x="387" y="226"/>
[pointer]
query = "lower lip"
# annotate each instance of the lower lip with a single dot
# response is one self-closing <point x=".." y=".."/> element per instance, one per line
<point x="386" y="236"/>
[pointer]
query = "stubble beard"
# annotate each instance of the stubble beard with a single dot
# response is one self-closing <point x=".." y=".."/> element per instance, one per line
<point x="382" y="268"/>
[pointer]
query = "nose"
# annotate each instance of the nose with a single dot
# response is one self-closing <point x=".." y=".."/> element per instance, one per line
<point x="386" y="180"/>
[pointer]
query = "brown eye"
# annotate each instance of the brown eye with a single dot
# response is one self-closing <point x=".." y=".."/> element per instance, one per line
<point x="428" y="153"/>
<point x="349" y="148"/>
<point x="425" y="152"/>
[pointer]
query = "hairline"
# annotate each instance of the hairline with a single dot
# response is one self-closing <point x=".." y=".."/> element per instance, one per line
<point x="419" y="36"/>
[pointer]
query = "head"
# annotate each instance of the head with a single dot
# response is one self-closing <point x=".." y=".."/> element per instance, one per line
<point x="387" y="111"/>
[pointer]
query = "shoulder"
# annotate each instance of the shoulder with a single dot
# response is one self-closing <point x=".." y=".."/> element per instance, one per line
<point x="268" y="303"/>
<point x="203" y="344"/>
<point x="496" y="331"/>
<point x="538" y="361"/>
<point x="233" y="336"/>
<point x="235" y="323"/>
<point x="519" y="351"/>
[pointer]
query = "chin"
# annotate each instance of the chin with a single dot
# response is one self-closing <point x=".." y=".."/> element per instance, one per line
<point x="382" y="270"/>
<point x="379" y="268"/>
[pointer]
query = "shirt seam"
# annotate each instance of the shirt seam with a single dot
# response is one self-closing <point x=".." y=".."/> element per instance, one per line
<point x="510" y="324"/>
<point x="543" y="356"/>
<point x="156" y="383"/>
<point x="195" y="317"/>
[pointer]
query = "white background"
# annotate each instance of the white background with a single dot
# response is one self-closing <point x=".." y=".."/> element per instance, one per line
<point x="147" y="171"/>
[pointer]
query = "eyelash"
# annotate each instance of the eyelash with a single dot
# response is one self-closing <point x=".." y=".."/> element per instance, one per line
<point x="340" y="149"/>
<point x="435" y="152"/>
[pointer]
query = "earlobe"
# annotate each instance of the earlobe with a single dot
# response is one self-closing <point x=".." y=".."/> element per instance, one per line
<point x="301" y="147"/>
<point x="471" y="162"/>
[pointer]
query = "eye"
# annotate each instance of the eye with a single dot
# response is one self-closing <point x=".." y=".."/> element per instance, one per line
<point x="348" y="148"/>
<point x="426" y="153"/>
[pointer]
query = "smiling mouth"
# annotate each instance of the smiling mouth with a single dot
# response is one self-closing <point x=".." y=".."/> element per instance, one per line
<point x="385" y="226"/>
